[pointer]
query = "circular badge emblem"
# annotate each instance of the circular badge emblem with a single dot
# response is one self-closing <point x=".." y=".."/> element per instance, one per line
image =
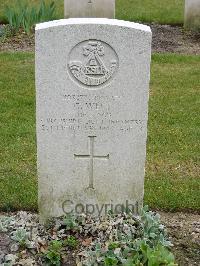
<point x="92" y="63"/>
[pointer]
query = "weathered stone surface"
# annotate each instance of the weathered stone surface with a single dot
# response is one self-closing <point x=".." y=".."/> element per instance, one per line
<point x="90" y="9"/>
<point x="92" y="81"/>
<point x="192" y="14"/>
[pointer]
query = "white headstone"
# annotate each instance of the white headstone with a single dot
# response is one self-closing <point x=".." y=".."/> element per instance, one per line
<point x="192" y="14"/>
<point x="89" y="8"/>
<point x="92" y="80"/>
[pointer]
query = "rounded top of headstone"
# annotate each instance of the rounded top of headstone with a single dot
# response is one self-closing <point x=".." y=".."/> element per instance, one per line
<point x="94" y="21"/>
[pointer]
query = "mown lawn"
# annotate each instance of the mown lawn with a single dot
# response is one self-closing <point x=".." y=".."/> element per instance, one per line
<point x="173" y="162"/>
<point x="164" y="12"/>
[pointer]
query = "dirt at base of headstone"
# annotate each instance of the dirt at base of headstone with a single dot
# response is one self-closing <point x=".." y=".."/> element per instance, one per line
<point x="174" y="39"/>
<point x="166" y="38"/>
<point x="183" y="229"/>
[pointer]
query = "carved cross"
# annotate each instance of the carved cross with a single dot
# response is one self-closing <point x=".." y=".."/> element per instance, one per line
<point x="91" y="158"/>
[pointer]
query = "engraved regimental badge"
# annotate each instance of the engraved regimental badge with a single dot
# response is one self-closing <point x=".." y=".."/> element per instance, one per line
<point x="93" y="63"/>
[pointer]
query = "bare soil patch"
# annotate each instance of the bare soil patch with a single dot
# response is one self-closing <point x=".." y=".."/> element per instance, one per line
<point x="166" y="38"/>
<point x="184" y="230"/>
<point x="173" y="39"/>
<point x="21" y="42"/>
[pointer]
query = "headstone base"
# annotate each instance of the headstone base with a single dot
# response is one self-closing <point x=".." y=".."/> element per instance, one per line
<point x="192" y="15"/>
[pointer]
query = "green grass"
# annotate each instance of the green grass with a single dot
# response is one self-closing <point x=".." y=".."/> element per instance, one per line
<point x="18" y="184"/>
<point x="172" y="172"/>
<point x="173" y="165"/>
<point x="164" y="12"/>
